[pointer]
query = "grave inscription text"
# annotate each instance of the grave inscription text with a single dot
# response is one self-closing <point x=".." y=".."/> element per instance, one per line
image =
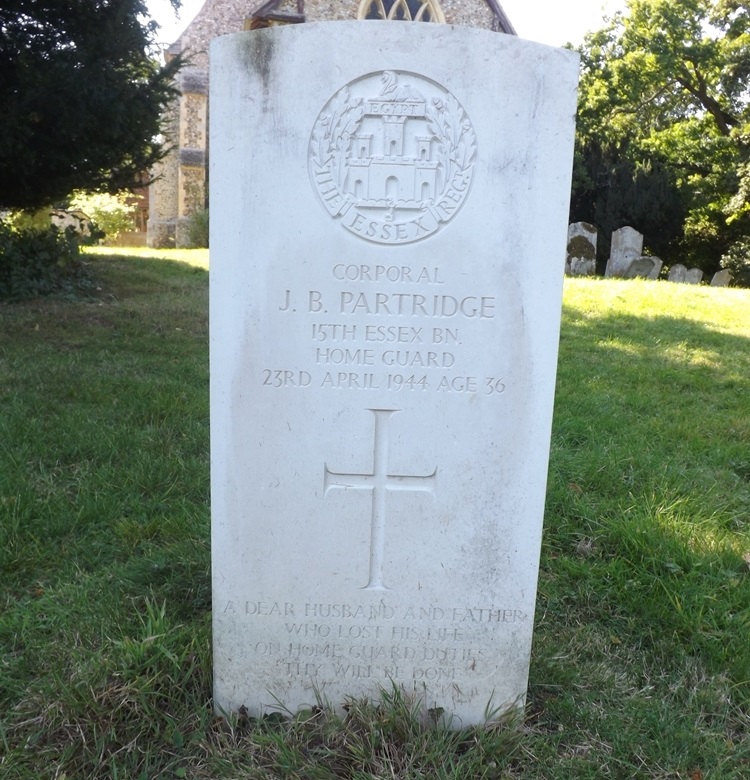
<point x="360" y="339"/>
<point x="399" y="328"/>
<point x="383" y="641"/>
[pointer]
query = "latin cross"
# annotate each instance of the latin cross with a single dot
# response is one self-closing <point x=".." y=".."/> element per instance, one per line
<point x="379" y="482"/>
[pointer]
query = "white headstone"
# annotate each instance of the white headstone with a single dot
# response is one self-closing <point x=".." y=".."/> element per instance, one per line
<point x="581" y="254"/>
<point x="384" y="328"/>
<point x="627" y="245"/>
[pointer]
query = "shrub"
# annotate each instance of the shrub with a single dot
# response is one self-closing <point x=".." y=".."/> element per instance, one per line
<point x="737" y="261"/>
<point x="112" y="214"/>
<point x="18" y="219"/>
<point x="198" y="230"/>
<point x="36" y="261"/>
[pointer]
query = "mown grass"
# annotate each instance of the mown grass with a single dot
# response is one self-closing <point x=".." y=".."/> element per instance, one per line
<point x="641" y="662"/>
<point x="195" y="257"/>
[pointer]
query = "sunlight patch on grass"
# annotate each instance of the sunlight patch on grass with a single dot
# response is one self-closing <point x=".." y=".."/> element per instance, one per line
<point x="708" y="533"/>
<point x="723" y="310"/>
<point x="693" y="355"/>
<point x="195" y="257"/>
<point x="623" y="347"/>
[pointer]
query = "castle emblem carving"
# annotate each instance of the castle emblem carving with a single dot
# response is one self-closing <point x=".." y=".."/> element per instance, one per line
<point x="392" y="157"/>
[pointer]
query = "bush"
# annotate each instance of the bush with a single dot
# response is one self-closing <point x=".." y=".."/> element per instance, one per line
<point x="737" y="261"/>
<point x="113" y="214"/>
<point x="36" y="261"/>
<point x="28" y="220"/>
<point x="198" y="230"/>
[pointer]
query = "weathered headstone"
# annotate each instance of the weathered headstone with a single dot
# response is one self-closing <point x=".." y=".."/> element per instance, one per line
<point x="656" y="270"/>
<point x="721" y="278"/>
<point x="693" y="276"/>
<point x="79" y="222"/>
<point x="581" y="252"/>
<point x="644" y="268"/>
<point x="384" y="327"/>
<point x="677" y="273"/>
<point x="627" y="245"/>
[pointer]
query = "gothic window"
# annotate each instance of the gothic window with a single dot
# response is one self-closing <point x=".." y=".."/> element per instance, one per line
<point x="403" y="10"/>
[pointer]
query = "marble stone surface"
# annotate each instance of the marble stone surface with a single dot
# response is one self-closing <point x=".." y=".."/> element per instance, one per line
<point x="627" y="245"/>
<point x="384" y="325"/>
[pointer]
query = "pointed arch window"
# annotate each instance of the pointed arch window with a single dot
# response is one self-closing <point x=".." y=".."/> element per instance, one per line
<point x="402" y="10"/>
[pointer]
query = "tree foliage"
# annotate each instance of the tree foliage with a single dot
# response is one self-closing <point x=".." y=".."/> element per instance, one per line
<point x="112" y="214"/>
<point x="664" y="126"/>
<point x="81" y="98"/>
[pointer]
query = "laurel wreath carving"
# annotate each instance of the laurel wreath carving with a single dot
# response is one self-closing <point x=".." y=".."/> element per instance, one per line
<point x="333" y="131"/>
<point x="446" y="120"/>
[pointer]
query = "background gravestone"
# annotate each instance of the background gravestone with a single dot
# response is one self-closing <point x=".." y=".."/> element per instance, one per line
<point x="721" y="278"/>
<point x="644" y="268"/>
<point x="694" y="276"/>
<point x="581" y="251"/>
<point x="384" y="329"/>
<point x="627" y="245"/>
<point x="677" y="273"/>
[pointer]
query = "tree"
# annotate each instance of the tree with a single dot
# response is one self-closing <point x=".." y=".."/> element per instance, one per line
<point x="615" y="186"/>
<point x="81" y="98"/>
<point x="665" y="90"/>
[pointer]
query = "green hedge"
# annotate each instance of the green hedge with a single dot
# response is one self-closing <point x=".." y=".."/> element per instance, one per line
<point x="37" y="261"/>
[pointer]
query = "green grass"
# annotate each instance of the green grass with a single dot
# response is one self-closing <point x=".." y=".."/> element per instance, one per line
<point x="196" y="257"/>
<point x="641" y="660"/>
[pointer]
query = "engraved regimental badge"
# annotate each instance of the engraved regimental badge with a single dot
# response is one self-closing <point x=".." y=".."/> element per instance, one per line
<point x="392" y="156"/>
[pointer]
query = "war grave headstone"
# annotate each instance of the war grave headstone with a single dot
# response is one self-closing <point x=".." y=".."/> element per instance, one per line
<point x="627" y="245"/>
<point x="384" y="329"/>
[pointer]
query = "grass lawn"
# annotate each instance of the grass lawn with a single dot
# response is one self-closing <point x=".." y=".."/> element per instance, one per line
<point x="195" y="257"/>
<point x="641" y="660"/>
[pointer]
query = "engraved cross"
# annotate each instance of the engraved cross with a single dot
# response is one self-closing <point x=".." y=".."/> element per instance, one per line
<point x="379" y="482"/>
